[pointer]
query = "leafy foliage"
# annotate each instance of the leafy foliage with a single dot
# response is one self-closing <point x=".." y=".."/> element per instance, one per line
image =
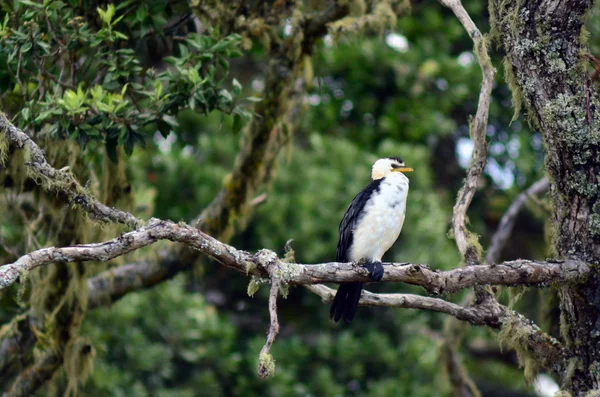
<point x="76" y="71"/>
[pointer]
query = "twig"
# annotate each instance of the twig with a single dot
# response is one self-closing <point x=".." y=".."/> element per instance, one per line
<point x="509" y="218"/>
<point x="266" y="363"/>
<point x="261" y="198"/>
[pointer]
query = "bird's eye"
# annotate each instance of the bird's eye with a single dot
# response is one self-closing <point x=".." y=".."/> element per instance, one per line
<point x="396" y="166"/>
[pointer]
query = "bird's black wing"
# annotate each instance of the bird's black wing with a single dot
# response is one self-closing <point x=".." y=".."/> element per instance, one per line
<point x="345" y="302"/>
<point x="351" y="217"/>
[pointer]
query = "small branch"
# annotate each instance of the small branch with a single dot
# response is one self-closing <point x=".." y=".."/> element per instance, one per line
<point x="462" y="384"/>
<point x="261" y="198"/>
<point x="509" y="218"/>
<point x="473" y="315"/>
<point x="547" y="351"/>
<point x="62" y="181"/>
<point x="266" y="363"/>
<point x="464" y="240"/>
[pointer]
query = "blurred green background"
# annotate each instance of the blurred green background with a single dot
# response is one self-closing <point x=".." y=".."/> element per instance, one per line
<point x="407" y="92"/>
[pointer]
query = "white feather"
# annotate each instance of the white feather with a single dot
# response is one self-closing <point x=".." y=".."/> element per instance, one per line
<point x="382" y="221"/>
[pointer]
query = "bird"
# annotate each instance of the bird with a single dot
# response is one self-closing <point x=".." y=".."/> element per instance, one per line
<point x="370" y="226"/>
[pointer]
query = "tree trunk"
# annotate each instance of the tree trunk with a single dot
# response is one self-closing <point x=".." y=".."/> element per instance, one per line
<point x="547" y="70"/>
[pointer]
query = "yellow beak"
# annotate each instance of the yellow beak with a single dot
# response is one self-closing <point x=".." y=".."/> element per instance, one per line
<point x="403" y="169"/>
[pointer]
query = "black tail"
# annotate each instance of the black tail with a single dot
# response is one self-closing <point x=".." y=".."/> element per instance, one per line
<point x="345" y="302"/>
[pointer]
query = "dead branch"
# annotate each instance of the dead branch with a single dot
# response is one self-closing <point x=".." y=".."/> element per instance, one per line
<point x="61" y="180"/>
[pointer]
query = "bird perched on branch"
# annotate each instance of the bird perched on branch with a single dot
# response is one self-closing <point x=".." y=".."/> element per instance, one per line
<point x="370" y="226"/>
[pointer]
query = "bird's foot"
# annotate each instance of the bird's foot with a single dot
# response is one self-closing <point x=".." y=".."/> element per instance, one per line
<point x="375" y="270"/>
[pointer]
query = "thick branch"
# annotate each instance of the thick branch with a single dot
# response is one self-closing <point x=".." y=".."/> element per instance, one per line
<point x="60" y="180"/>
<point x="520" y="272"/>
<point x="509" y="218"/>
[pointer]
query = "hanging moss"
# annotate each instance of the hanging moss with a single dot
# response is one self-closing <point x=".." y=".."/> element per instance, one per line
<point x="514" y="336"/>
<point x="78" y="363"/>
<point x="3" y="149"/>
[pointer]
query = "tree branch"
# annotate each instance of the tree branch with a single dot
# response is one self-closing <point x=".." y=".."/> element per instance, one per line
<point x="509" y="218"/>
<point x="525" y="337"/>
<point x="266" y="364"/>
<point x="465" y="241"/>
<point x="519" y="272"/>
<point x="62" y="181"/>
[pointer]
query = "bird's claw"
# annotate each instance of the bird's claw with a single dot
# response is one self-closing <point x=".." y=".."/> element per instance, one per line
<point x="375" y="270"/>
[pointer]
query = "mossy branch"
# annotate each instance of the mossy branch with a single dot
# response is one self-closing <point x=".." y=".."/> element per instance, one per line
<point x="62" y="181"/>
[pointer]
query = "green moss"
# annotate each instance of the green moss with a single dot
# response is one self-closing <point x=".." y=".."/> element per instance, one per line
<point x="514" y="295"/>
<point x="78" y="363"/>
<point x="515" y="89"/>
<point x="562" y="393"/>
<point x="380" y="18"/>
<point x="3" y="149"/>
<point x="266" y="365"/>
<point x="514" y="335"/>
<point x="574" y="364"/>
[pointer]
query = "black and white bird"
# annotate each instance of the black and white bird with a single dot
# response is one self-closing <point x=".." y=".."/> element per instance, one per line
<point x="370" y="226"/>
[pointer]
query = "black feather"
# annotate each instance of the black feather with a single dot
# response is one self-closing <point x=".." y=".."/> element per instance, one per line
<point x="353" y="215"/>
<point x="346" y="299"/>
<point x="398" y="159"/>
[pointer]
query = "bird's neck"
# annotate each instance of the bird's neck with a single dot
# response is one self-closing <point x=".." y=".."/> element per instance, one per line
<point x="396" y="178"/>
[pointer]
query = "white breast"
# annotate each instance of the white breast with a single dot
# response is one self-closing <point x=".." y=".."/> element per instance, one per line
<point x="382" y="221"/>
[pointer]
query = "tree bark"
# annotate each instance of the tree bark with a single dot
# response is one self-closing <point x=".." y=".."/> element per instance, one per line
<point x="546" y="68"/>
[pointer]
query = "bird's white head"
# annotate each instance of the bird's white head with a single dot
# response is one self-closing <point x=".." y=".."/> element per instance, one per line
<point x="383" y="167"/>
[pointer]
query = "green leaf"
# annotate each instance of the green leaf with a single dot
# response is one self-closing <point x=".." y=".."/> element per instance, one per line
<point x="164" y="128"/>
<point x="172" y="121"/>
<point x="106" y="16"/>
<point x="25" y="113"/>
<point x="129" y="143"/>
<point x="237" y="88"/>
<point x="31" y="4"/>
<point x="141" y="14"/>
